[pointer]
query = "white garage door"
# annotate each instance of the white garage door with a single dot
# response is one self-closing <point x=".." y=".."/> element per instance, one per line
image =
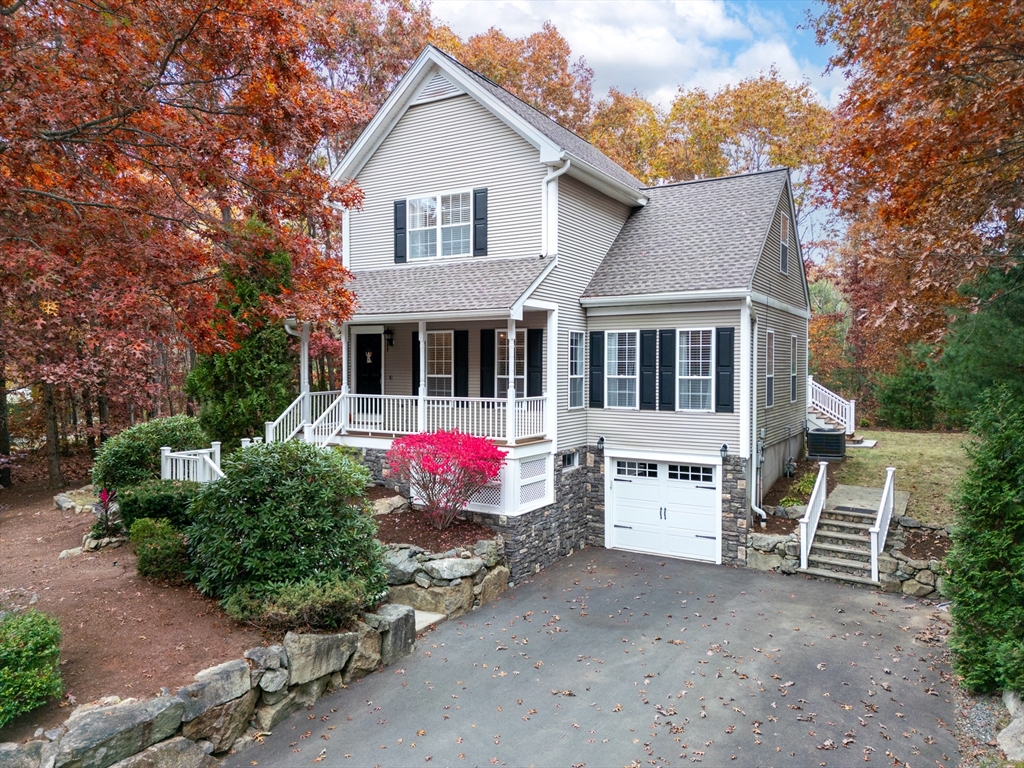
<point x="665" y="508"/>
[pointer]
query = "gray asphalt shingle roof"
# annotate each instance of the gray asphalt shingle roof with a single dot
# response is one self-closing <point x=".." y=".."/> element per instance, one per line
<point x="562" y="137"/>
<point x="466" y="284"/>
<point x="698" y="235"/>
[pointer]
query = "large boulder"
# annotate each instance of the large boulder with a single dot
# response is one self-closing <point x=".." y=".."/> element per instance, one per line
<point x="397" y="626"/>
<point x="268" y="716"/>
<point x="493" y="584"/>
<point x="766" y="542"/>
<point x="99" y="737"/>
<point x="761" y="561"/>
<point x="388" y="505"/>
<point x="313" y="656"/>
<point x="366" y="657"/>
<point x="451" y="601"/>
<point x="915" y="588"/>
<point x="490" y="551"/>
<point x="215" y="686"/>
<point x="274" y="680"/>
<point x="1011" y="740"/>
<point x="267" y="657"/>
<point x="21" y="755"/>
<point x="453" y="567"/>
<point x="173" y="753"/>
<point x="222" y="724"/>
<point x="400" y="567"/>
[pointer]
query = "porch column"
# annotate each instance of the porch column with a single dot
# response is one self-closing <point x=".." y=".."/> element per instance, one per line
<point x="344" y="358"/>
<point x="304" y="372"/>
<point x="551" y="384"/>
<point x="421" y="405"/>
<point x="510" y="416"/>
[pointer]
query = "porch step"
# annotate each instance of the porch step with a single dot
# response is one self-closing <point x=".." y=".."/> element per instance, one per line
<point x="858" y="554"/>
<point x="848" y="516"/>
<point x="842" y="526"/>
<point x="840" y="564"/>
<point x="822" y="573"/>
<point x="428" y="619"/>
<point x="841" y="537"/>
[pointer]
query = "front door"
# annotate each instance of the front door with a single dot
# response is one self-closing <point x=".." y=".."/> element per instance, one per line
<point x="368" y="363"/>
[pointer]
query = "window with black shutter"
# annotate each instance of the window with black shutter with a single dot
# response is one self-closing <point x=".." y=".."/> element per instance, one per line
<point x="596" y="369"/>
<point x="724" y="353"/>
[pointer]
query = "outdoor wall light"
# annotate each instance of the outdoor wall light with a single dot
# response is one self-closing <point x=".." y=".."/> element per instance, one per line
<point x="389" y="337"/>
<point x="600" y="442"/>
<point x="724" y="450"/>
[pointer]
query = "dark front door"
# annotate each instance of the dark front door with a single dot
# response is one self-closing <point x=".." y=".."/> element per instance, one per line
<point x="368" y="363"/>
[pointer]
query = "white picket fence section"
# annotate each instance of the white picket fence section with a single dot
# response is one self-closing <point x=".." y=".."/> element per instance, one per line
<point x="809" y="522"/>
<point x="880" y="530"/>
<point x="828" y="403"/>
<point x="199" y="466"/>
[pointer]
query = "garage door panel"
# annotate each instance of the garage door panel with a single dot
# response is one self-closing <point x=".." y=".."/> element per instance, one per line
<point x="642" y="538"/>
<point x="692" y="546"/>
<point x="697" y="523"/>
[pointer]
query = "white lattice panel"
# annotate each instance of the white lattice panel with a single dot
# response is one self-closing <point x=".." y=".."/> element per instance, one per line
<point x="489" y="495"/>
<point x="531" y="492"/>
<point x="533" y="468"/>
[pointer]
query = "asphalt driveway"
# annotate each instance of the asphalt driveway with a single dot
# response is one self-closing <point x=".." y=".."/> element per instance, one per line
<point x="615" y="659"/>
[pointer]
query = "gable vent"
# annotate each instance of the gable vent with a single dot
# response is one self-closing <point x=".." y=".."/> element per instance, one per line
<point x="437" y="87"/>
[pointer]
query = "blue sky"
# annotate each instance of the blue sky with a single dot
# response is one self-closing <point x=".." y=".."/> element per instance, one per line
<point x="654" y="46"/>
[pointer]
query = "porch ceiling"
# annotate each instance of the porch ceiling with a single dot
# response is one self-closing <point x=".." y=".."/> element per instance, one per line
<point x="467" y="285"/>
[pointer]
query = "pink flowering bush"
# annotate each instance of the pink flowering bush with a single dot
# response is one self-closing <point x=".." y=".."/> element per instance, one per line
<point x="445" y="469"/>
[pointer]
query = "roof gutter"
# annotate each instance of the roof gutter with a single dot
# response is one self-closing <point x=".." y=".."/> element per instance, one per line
<point x="674" y="297"/>
<point x="604" y="183"/>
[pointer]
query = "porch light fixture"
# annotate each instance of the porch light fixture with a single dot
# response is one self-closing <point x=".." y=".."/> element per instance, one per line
<point x="724" y="450"/>
<point x="600" y="442"/>
<point x="389" y="337"/>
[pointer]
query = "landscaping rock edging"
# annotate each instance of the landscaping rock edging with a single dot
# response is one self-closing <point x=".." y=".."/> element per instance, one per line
<point x="225" y="707"/>
<point x="897" y="572"/>
<point x="1011" y="738"/>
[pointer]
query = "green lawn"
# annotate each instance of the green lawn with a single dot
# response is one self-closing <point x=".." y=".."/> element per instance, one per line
<point x="928" y="465"/>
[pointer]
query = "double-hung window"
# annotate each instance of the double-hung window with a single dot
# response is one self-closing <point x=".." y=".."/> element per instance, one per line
<point x="517" y="373"/>
<point x="695" y="370"/>
<point x="576" y="341"/>
<point x="622" y="369"/>
<point x="440" y="225"/>
<point x="440" y="363"/>
<point x="784" y="245"/>
<point x="792" y="369"/>
<point x="769" y="369"/>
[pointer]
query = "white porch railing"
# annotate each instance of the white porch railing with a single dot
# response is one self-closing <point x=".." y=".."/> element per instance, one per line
<point x="809" y="522"/>
<point x="200" y="466"/>
<point x="880" y="530"/>
<point x="530" y="417"/>
<point x="827" y="402"/>
<point x="480" y="416"/>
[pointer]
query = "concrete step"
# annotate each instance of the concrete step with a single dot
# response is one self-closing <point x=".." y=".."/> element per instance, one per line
<point x="859" y="539"/>
<point x="839" y="564"/>
<point x="824" y="549"/>
<point x="428" y="619"/>
<point x="842" y="526"/>
<point x="825" y="574"/>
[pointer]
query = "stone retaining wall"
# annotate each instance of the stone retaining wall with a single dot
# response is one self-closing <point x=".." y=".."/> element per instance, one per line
<point x="226" y="705"/>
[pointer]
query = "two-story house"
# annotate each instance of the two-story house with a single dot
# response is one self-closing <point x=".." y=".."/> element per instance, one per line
<point x="640" y="353"/>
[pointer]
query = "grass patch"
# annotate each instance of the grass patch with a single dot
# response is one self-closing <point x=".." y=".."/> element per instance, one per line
<point x="928" y="465"/>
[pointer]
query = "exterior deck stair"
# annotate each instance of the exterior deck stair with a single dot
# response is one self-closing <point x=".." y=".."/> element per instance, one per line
<point x="842" y="548"/>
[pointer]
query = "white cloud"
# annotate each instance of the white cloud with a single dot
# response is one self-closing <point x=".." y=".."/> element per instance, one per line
<point x="654" y="47"/>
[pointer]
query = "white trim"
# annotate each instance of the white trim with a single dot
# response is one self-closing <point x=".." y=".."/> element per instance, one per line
<point x="437" y="317"/>
<point x="636" y="375"/>
<point x="643" y="302"/>
<point x="582" y="375"/>
<point x="346" y="244"/>
<point x="551" y="380"/>
<point x="516" y="311"/>
<point x="794" y="369"/>
<point x="608" y="185"/>
<point x="769" y="332"/>
<point x="610" y="451"/>
<point x="365" y="329"/>
<point x="784" y="219"/>
<point x="665" y="309"/>
<point x="745" y="333"/>
<point x="774" y="303"/>
<point x="679" y="376"/>
<point x="540" y="304"/>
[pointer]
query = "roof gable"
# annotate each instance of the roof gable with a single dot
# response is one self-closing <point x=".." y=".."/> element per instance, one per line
<point x="435" y="75"/>
<point x="702" y="235"/>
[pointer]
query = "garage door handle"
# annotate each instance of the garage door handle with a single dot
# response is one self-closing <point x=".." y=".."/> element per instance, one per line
<point x="627" y="527"/>
<point x="708" y="487"/>
<point x="713" y="538"/>
<point x="622" y="480"/>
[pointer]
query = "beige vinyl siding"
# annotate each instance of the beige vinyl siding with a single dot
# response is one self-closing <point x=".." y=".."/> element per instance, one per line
<point x="790" y="287"/>
<point x="667" y="431"/>
<point x="784" y="413"/>
<point x="450" y="145"/>
<point x="588" y="223"/>
<point x="398" y="359"/>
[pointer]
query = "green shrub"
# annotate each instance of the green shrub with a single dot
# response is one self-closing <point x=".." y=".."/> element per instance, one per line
<point x="133" y="456"/>
<point x="986" y="560"/>
<point x="326" y="602"/>
<point x="158" y="500"/>
<point x="29" y="662"/>
<point x="906" y="399"/>
<point x="160" y="550"/>
<point x="283" y="513"/>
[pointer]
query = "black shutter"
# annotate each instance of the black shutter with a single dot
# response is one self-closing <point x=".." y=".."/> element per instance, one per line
<point x="479" y="222"/>
<point x="723" y="369"/>
<point x="460" y="354"/>
<point x="597" y="369"/>
<point x="400" y="231"/>
<point x="534" y="362"/>
<point x="487" y="362"/>
<point x="648" y="369"/>
<point x="667" y="370"/>
<point x="415" y="363"/>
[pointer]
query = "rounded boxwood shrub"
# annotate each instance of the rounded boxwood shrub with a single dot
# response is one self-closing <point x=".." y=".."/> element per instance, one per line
<point x="29" y="662"/>
<point x="158" y="500"/>
<point x="160" y="550"/>
<point x="133" y="456"/>
<point x="284" y="513"/>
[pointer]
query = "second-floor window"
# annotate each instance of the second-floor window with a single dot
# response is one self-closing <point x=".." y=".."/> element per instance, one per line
<point x="576" y="340"/>
<point x="440" y="225"/>
<point x="622" y="369"/>
<point x="695" y="370"/>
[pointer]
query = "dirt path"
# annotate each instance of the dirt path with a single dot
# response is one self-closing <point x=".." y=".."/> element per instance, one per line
<point x="123" y="635"/>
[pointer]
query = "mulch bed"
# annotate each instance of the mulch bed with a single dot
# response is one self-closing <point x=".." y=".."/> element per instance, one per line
<point x="776" y="525"/>
<point x="411" y="526"/>
<point x="782" y="486"/>
<point x="925" y="544"/>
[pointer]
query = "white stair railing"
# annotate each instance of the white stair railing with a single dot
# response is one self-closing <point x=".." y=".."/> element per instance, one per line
<point x="329" y="424"/>
<point x="289" y="423"/>
<point x="834" y="406"/>
<point x="809" y="522"/>
<point x="880" y="530"/>
<point x="199" y="466"/>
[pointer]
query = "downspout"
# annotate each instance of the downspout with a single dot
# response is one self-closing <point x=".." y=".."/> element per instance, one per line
<point x="546" y="207"/>
<point x="755" y="498"/>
